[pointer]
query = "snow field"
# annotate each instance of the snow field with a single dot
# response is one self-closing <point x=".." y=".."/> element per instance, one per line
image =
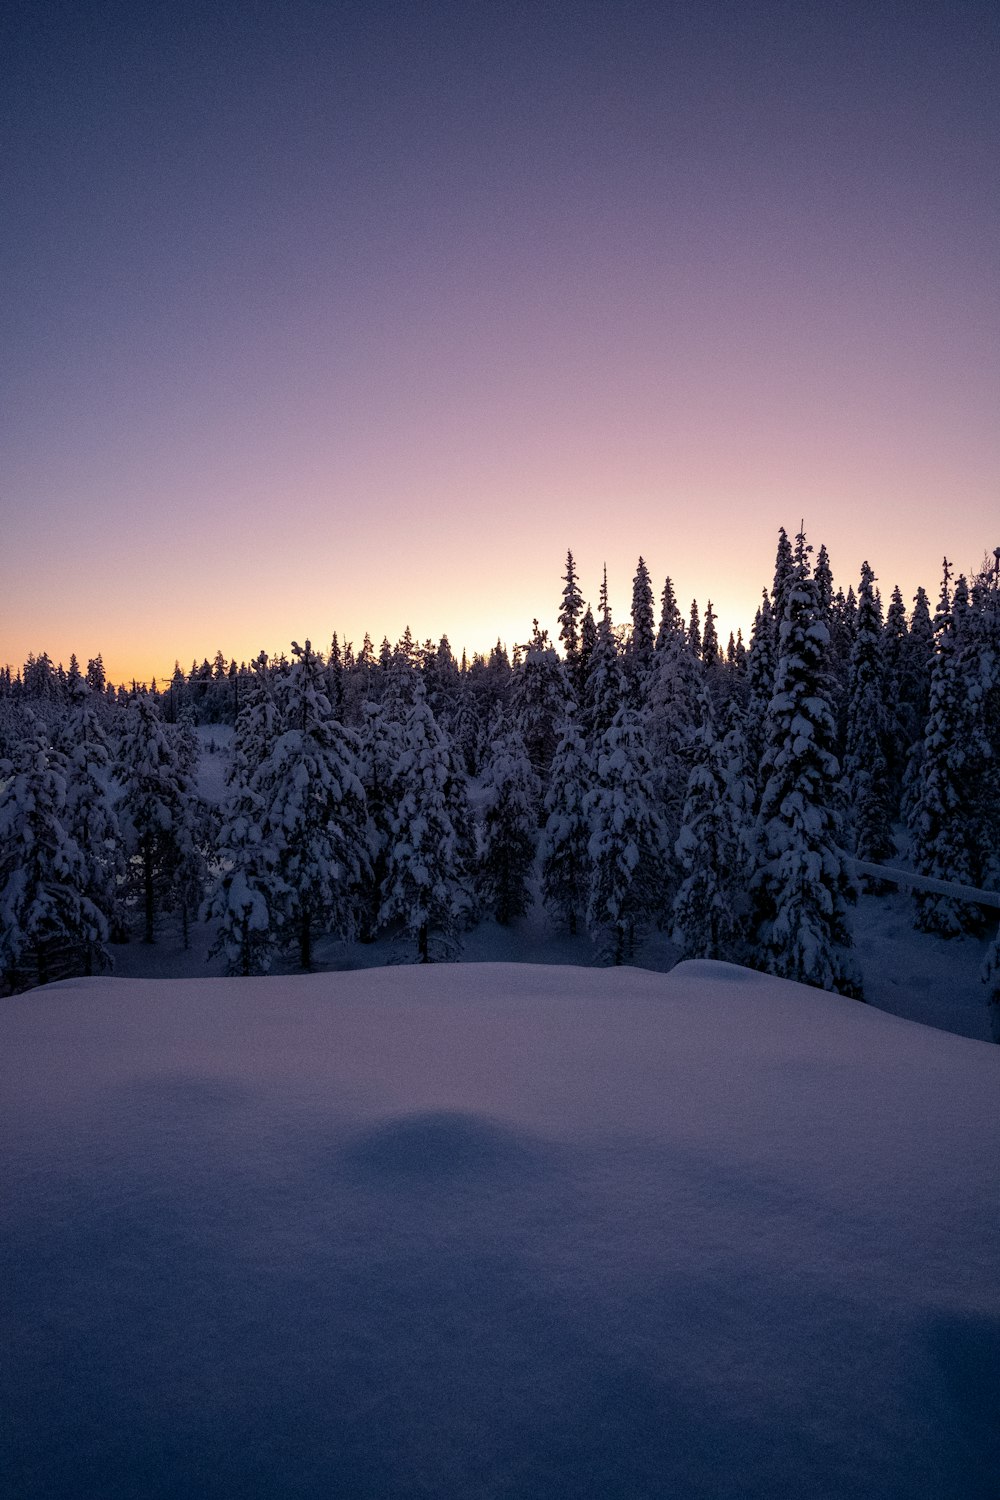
<point x="496" y="1230"/>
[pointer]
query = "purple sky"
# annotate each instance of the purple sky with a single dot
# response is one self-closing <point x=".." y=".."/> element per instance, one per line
<point x="328" y="316"/>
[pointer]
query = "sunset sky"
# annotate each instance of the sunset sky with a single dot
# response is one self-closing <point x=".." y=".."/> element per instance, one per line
<point x="352" y="316"/>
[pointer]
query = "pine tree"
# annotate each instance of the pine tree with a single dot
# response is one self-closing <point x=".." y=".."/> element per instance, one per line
<point x="569" y="617"/>
<point x="641" y="641"/>
<point x="914" y="688"/>
<point x="710" y="640"/>
<point x="627" y="843"/>
<point x="606" y="686"/>
<point x="940" y="814"/>
<point x="801" y="886"/>
<point x="671" y="724"/>
<point x="426" y="889"/>
<point x="538" y="700"/>
<point x="704" y="919"/>
<point x="247" y="894"/>
<point x="867" y="731"/>
<point x="564" y="854"/>
<point x="671" y="621"/>
<point x="49" y="926"/>
<point x="316" y="812"/>
<point x="588" y="645"/>
<point x="380" y="749"/>
<point x="901" y="731"/>
<point x="510" y="803"/>
<point x="90" y="818"/>
<point x="784" y="572"/>
<point x="155" y="808"/>
<point x="694" y="632"/>
<point x="823" y="579"/>
<point x="762" y="662"/>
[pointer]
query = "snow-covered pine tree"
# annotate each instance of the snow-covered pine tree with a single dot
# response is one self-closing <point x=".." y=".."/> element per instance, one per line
<point x="694" y="631"/>
<point x="915" y="686"/>
<point x="566" y="835"/>
<point x="628" y="841"/>
<point x="155" y="807"/>
<point x="510" y="822"/>
<point x="335" y="678"/>
<point x="49" y="926"/>
<point x="671" y="621"/>
<point x="639" y="657"/>
<point x="588" y="645"/>
<point x="784" y="571"/>
<point x="186" y="742"/>
<point x="940" y="814"/>
<point x="380" y="747"/>
<point x="538" y="700"/>
<point x="801" y="886"/>
<point x="443" y="685"/>
<point x="90" y="816"/>
<point x="670" y="724"/>
<point x="316" y="812"/>
<point x="900" y="729"/>
<point x="245" y="897"/>
<point x="823" y="579"/>
<point x="570" y="615"/>
<point x="606" y="687"/>
<point x="710" y="639"/>
<point x="762" y="662"/>
<point x="741" y="805"/>
<point x="703" y="915"/>
<point x="426" y="887"/>
<point x="867" y="732"/>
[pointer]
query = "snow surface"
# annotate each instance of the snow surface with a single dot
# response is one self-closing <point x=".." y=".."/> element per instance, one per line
<point x="496" y="1230"/>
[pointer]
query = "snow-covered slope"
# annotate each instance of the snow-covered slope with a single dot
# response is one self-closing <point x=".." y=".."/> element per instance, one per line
<point x="496" y="1230"/>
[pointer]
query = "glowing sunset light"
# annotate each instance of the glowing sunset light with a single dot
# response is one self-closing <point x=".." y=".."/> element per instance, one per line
<point x="350" y="318"/>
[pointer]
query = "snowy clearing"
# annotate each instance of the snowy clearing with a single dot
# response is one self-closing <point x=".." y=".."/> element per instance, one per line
<point x="496" y="1230"/>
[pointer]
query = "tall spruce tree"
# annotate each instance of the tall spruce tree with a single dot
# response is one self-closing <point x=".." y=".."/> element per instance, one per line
<point x="784" y="571"/>
<point x="606" y="687"/>
<point x="570" y="616"/>
<point x="91" y="817"/>
<point x="671" y="620"/>
<point x="316" y="815"/>
<point x="641" y="642"/>
<point x="801" y="886"/>
<point x="707" y="850"/>
<point x="155" y="809"/>
<point x="628" y="841"/>
<point x="538" y="700"/>
<point x="247" y="895"/>
<point x="510" y="823"/>
<point x="867" y="732"/>
<point x="566" y="835"/>
<point x="941" y="809"/>
<point x="426" y="887"/>
<point x="694" y="631"/>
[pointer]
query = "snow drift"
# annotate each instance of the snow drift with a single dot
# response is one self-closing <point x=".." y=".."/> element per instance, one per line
<point x="496" y="1230"/>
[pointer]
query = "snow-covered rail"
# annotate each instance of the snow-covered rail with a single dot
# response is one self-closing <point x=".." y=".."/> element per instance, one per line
<point x="907" y="880"/>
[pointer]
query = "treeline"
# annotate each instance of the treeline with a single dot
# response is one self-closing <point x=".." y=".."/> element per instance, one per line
<point x="638" y="773"/>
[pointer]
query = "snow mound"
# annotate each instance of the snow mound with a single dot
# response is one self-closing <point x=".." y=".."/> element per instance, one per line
<point x="495" y="1230"/>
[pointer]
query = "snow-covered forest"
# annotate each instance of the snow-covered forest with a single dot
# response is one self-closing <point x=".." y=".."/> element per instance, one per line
<point x="629" y="777"/>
